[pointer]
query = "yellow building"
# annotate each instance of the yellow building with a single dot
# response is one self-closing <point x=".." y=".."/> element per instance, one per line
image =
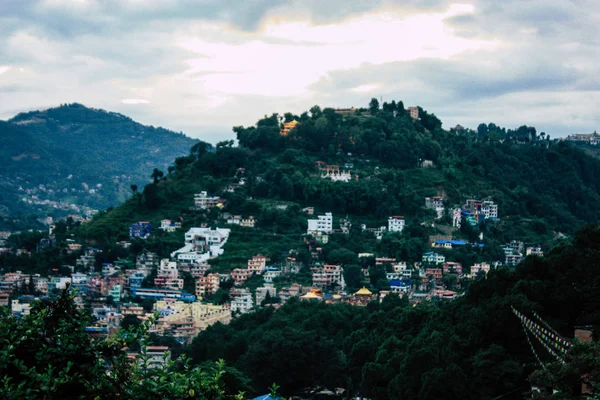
<point x="362" y="297"/>
<point x="186" y="320"/>
<point x="287" y="127"/>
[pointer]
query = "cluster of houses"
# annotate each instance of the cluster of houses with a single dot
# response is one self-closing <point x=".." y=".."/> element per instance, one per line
<point x="474" y="212"/>
<point x="322" y="226"/>
<point x="334" y="172"/>
<point x="154" y="285"/>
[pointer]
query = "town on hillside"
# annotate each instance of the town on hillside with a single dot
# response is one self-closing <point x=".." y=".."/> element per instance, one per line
<point x="187" y="293"/>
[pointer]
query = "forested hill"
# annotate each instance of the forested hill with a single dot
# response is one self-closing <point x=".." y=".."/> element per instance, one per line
<point x="543" y="188"/>
<point x="77" y="155"/>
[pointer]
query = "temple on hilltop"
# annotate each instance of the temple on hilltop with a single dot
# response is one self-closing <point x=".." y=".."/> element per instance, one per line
<point x="287" y="127"/>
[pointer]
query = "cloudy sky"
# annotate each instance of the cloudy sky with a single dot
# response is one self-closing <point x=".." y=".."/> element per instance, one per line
<point x="203" y="66"/>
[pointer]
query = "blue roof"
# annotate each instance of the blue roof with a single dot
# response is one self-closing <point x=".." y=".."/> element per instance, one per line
<point x="399" y="283"/>
<point x="452" y="242"/>
<point x="266" y="397"/>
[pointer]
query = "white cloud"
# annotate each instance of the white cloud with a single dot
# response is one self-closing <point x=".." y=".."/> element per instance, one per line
<point x="368" y="87"/>
<point x="134" y="101"/>
<point x="204" y="67"/>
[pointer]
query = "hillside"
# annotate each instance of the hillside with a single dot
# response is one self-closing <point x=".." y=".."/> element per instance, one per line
<point x="544" y="189"/>
<point x="72" y="159"/>
<point x="450" y="335"/>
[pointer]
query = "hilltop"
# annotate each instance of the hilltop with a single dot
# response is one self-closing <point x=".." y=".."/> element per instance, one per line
<point x="72" y="159"/>
<point x="544" y="189"/>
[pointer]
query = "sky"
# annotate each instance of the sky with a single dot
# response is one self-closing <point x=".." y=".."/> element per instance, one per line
<point x="204" y="66"/>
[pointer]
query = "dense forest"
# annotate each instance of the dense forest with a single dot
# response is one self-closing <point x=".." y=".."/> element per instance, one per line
<point x="471" y="348"/>
<point x="81" y="156"/>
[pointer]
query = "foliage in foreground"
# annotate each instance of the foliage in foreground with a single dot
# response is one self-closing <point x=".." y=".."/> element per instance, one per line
<point x="48" y="355"/>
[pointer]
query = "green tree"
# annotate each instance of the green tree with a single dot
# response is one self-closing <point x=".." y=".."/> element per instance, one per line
<point x="374" y="106"/>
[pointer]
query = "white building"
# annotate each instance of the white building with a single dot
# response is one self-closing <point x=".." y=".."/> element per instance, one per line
<point x="323" y="223"/>
<point x="242" y="303"/>
<point x="337" y="176"/>
<point x="249" y="222"/>
<point x="534" y="251"/>
<point x="270" y="274"/>
<point x="201" y="244"/>
<point x="261" y="292"/>
<point x="437" y="204"/>
<point x="489" y="209"/>
<point x="396" y="223"/>
<point x="203" y="201"/>
<point x="167" y="276"/>
<point x="169" y="226"/>
<point x="456" y="217"/>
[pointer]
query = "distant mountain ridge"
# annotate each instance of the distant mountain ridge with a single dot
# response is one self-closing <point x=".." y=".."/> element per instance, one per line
<point x="77" y="155"/>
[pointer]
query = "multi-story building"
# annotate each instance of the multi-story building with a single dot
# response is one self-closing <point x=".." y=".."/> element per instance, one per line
<point x="328" y="275"/>
<point x="4" y="299"/>
<point x="185" y="321"/>
<point x="141" y="230"/>
<point x="169" y="226"/>
<point x="456" y="217"/>
<point x="513" y="259"/>
<point x="249" y="222"/>
<point x="323" y="223"/>
<point x="413" y="112"/>
<point x="396" y="223"/>
<point x="437" y="204"/>
<point x="477" y="268"/>
<point x="132" y="309"/>
<point x="157" y="356"/>
<point x="160" y="294"/>
<point x="435" y="273"/>
<point x="271" y="273"/>
<point x="207" y="285"/>
<point x="202" y="244"/>
<point x="433" y="258"/>
<point x="22" y="305"/>
<point x="241" y="275"/>
<point x="590" y="138"/>
<point x="243" y="303"/>
<point x="199" y="270"/>
<point x="73" y="247"/>
<point x="115" y="293"/>
<point x="295" y="290"/>
<point x="291" y="266"/>
<point x="489" y="209"/>
<point x="534" y="251"/>
<point x="287" y="127"/>
<point x="146" y="261"/>
<point x="203" y="201"/>
<point x="257" y="263"/>
<point x="481" y="209"/>
<point x="451" y="267"/>
<point x="334" y="173"/>
<point x="134" y="279"/>
<point x="167" y="276"/>
<point x="261" y="292"/>
<point x="400" y="286"/>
